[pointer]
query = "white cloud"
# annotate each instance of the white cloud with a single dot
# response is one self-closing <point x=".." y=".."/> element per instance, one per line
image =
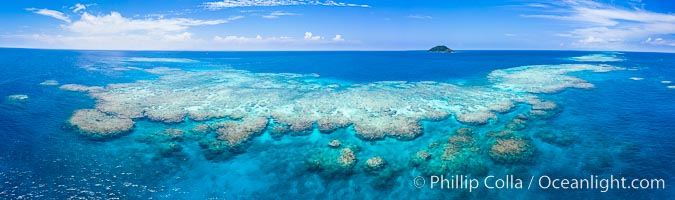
<point x="310" y="36"/>
<point x="277" y="14"/>
<point x="78" y="7"/>
<point x="660" y="42"/>
<point x="185" y="36"/>
<point x="229" y="19"/>
<point x="338" y="38"/>
<point x="537" y="5"/>
<point x="510" y="35"/>
<point x="114" y="31"/>
<point x="115" y="23"/>
<point x="258" y="42"/>
<point x="166" y="41"/>
<point x="590" y="40"/>
<point x="420" y="16"/>
<point x="250" y="11"/>
<point x="232" y="39"/>
<point x="50" y="13"/>
<point x="179" y="41"/>
<point x="605" y="26"/>
<point x="251" y="40"/>
<point x="216" y="5"/>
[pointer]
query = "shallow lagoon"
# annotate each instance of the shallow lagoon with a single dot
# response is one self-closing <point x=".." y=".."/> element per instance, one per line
<point x="619" y="127"/>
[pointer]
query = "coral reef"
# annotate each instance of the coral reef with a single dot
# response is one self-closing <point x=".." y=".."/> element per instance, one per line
<point x="376" y="110"/>
<point x="216" y="149"/>
<point x="277" y="130"/>
<point x="167" y="142"/>
<point x="541" y="109"/>
<point x="333" y="161"/>
<point x="404" y="129"/>
<point x="81" y="88"/>
<point x="544" y="78"/>
<point x="517" y="124"/>
<point x="49" y="83"/>
<point x="328" y="125"/>
<point x="607" y="57"/>
<point x="459" y="154"/>
<point x="199" y="131"/>
<point x="18" y="100"/>
<point x="506" y="133"/>
<point x="334" y="143"/>
<point x="347" y="158"/>
<point x="17" y="97"/>
<point x="512" y="150"/>
<point x="419" y="157"/>
<point x="375" y="163"/>
<point x="229" y="137"/>
<point x="237" y="132"/>
<point x="297" y="104"/>
<point x="96" y="124"/>
<point x="174" y="133"/>
<point x="147" y="59"/>
<point x="462" y="139"/>
<point x="167" y="135"/>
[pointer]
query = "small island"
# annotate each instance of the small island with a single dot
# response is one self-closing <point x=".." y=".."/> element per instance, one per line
<point x="441" y="48"/>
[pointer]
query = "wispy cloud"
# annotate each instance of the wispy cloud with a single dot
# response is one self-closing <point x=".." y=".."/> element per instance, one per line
<point x="537" y="5"/>
<point x="115" y="23"/>
<point x="308" y="38"/>
<point x="660" y="42"/>
<point x="258" y="42"/>
<point x="216" y="5"/>
<point x="232" y="39"/>
<point x="78" y="7"/>
<point x="606" y="26"/>
<point x="277" y="14"/>
<point x="114" y="31"/>
<point x="237" y="17"/>
<point x="420" y="17"/>
<point x="50" y="13"/>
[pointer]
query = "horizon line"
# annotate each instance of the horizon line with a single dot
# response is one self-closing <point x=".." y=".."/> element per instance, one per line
<point x="327" y="50"/>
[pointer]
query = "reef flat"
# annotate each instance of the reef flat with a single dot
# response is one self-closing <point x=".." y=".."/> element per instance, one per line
<point x="603" y="57"/>
<point x="249" y="104"/>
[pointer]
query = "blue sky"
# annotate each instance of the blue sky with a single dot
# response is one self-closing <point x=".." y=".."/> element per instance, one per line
<point x="633" y="25"/>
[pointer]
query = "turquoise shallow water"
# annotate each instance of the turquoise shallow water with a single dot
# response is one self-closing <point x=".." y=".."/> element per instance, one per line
<point x="621" y="127"/>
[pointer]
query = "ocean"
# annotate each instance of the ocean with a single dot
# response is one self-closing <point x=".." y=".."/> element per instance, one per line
<point x="336" y="124"/>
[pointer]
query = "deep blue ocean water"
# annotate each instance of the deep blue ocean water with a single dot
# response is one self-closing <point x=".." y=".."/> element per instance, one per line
<point x="622" y="127"/>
